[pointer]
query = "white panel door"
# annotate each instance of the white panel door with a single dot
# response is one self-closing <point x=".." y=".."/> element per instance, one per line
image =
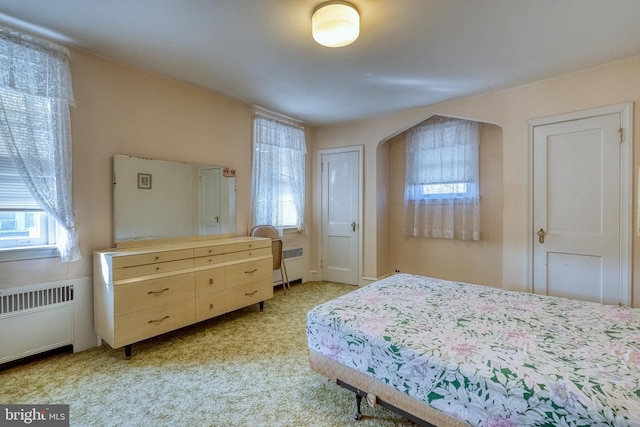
<point x="209" y="201"/>
<point x="341" y="201"/>
<point x="576" y="209"/>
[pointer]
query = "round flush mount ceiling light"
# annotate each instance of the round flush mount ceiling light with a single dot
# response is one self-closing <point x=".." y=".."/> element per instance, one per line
<point x="335" y="24"/>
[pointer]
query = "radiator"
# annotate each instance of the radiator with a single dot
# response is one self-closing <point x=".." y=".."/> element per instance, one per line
<point x="38" y="318"/>
<point x="294" y="263"/>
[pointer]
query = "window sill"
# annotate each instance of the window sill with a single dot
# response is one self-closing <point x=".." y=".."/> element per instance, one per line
<point x="22" y="254"/>
<point x="290" y="230"/>
<point x="443" y="201"/>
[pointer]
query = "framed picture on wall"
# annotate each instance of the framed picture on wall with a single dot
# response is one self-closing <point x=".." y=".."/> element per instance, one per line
<point x="144" y="181"/>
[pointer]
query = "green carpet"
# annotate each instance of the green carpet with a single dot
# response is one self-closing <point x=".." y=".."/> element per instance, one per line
<point x="246" y="368"/>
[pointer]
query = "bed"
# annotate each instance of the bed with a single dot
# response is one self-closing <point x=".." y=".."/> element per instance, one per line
<point x="449" y="354"/>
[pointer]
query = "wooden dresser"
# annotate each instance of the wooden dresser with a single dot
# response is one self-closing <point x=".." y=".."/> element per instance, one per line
<point x="141" y="292"/>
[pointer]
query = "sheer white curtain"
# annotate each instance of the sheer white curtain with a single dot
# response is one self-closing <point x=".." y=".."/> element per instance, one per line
<point x="442" y="197"/>
<point x="278" y="173"/>
<point x="35" y="95"/>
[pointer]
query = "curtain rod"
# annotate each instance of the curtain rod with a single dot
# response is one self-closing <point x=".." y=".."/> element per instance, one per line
<point x="263" y="112"/>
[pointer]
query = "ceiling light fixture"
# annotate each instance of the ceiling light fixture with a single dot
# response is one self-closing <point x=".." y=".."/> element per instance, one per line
<point x="335" y="24"/>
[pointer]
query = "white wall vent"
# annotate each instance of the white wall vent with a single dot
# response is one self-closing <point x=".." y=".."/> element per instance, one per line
<point x="42" y="317"/>
<point x="292" y="253"/>
<point x="16" y="300"/>
<point x="294" y="262"/>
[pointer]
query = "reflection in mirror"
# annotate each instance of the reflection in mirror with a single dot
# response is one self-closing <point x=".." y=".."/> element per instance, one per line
<point x="155" y="199"/>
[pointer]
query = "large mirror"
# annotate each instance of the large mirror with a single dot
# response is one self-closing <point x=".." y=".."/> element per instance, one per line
<point x="155" y="199"/>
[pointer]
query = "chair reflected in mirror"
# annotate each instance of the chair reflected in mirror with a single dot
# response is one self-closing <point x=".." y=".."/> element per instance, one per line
<point x="271" y="232"/>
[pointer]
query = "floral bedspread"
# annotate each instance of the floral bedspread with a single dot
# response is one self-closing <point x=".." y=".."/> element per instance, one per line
<point x="487" y="356"/>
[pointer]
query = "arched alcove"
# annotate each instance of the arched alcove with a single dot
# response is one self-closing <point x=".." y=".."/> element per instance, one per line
<point x="468" y="261"/>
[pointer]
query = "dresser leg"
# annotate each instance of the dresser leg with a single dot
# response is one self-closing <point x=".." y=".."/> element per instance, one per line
<point x="261" y="305"/>
<point x="127" y="351"/>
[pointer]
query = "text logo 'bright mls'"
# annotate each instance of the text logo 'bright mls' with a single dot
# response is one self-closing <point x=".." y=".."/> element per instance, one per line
<point x="36" y="415"/>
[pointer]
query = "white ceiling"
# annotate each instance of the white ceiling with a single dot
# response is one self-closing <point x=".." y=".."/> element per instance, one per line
<point x="410" y="52"/>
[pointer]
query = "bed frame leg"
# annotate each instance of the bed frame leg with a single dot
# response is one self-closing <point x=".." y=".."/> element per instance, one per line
<point x="360" y="394"/>
<point x="358" y="403"/>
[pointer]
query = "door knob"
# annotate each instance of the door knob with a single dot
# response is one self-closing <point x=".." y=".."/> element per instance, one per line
<point x="353" y="226"/>
<point x="541" y="234"/>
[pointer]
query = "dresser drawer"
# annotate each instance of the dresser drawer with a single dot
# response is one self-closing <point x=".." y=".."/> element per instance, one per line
<point x="210" y="305"/>
<point x="151" y="258"/>
<point x="248" y="245"/>
<point x="141" y="325"/>
<point x="146" y="270"/>
<point x="247" y="294"/>
<point x="209" y="260"/>
<point x="152" y="293"/>
<point x="248" y="272"/>
<point x="210" y="280"/>
<point x="208" y="251"/>
<point x="236" y="256"/>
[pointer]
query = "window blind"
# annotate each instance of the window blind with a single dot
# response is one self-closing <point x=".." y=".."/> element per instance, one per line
<point x="14" y="193"/>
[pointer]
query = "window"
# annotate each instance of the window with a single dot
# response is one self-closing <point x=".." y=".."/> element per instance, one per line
<point x="278" y="178"/>
<point x="445" y="190"/>
<point x="35" y="146"/>
<point x="20" y="228"/>
<point x="23" y="223"/>
<point x="442" y="185"/>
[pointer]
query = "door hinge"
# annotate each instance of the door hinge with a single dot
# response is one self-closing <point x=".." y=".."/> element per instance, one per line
<point x="321" y="167"/>
<point x="320" y="264"/>
<point x="620" y="135"/>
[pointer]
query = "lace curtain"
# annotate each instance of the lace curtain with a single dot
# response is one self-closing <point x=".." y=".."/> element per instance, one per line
<point x="35" y="126"/>
<point x="442" y="198"/>
<point x="278" y="173"/>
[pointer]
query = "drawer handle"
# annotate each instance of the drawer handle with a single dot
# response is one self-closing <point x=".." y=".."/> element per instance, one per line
<point x="157" y="258"/>
<point x="157" y="292"/>
<point x="211" y="281"/>
<point x="210" y="251"/>
<point x="158" y="320"/>
<point x="210" y="306"/>
<point x="251" y="271"/>
<point x="249" y="294"/>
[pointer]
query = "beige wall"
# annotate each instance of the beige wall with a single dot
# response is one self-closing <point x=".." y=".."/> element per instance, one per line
<point x="509" y="110"/>
<point x="466" y="261"/>
<point x="123" y="110"/>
